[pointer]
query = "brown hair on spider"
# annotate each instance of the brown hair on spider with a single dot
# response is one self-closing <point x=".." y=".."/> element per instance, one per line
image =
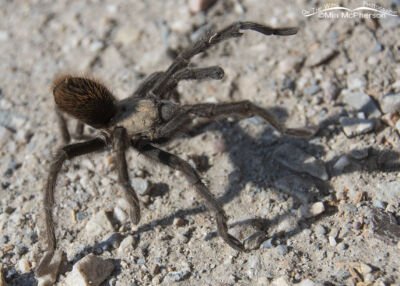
<point x="85" y="99"/>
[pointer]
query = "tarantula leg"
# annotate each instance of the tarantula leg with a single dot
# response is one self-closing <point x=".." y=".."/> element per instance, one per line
<point x="147" y="84"/>
<point x="241" y="108"/>
<point x="66" y="152"/>
<point x="121" y="144"/>
<point x="192" y="176"/>
<point x="213" y="72"/>
<point x="211" y="39"/>
<point x="62" y="125"/>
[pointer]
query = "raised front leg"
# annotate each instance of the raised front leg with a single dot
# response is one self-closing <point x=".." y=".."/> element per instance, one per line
<point x="211" y="39"/>
<point x="213" y="72"/>
<point x="194" y="179"/>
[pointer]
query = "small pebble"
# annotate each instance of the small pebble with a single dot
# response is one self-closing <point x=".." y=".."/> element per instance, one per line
<point x="359" y="154"/>
<point x="127" y="36"/>
<point x="282" y="250"/>
<point x="390" y="103"/>
<point x="356" y="81"/>
<point x="127" y="246"/>
<point x="24" y="265"/>
<point x="341" y="163"/>
<point x="379" y="204"/>
<point x="388" y="191"/>
<point x="141" y="186"/>
<point x="342" y="246"/>
<point x="332" y="241"/>
<point x="281" y="281"/>
<point x="89" y="271"/>
<point x="98" y="224"/>
<point x="289" y="64"/>
<point x="311" y="210"/>
<point x="141" y="261"/>
<point x="361" y="101"/>
<point x="5" y="136"/>
<point x="4" y="35"/>
<point x="355" y="126"/>
<point x="267" y="244"/>
<point x="365" y="268"/>
<point x="96" y="46"/>
<point x="120" y="215"/>
<point x="311" y="90"/>
<point x="306" y="282"/>
<point x="331" y="91"/>
<point x="178" y="222"/>
<point x="320" y="230"/>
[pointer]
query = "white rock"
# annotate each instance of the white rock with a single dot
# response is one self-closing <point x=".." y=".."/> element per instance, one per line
<point x="120" y="215"/>
<point x="332" y="241"/>
<point x="341" y="163"/>
<point x="3" y="35"/>
<point x="127" y="36"/>
<point x="361" y="101"/>
<point x="311" y="210"/>
<point x="141" y="186"/>
<point x="262" y="281"/>
<point x="355" y="126"/>
<point x="98" y="224"/>
<point x="287" y="223"/>
<point x="96" y="46"/>
<point x="281" y="281"/>
<point x="398" y="125"/>
<point x="5" y="135"/>
<point x="24" y="265"/>
<point x="306" y="282"/>
<point x="127" y="246"/>
<point x="356" y="81"/>
<point x="89" y="271"/>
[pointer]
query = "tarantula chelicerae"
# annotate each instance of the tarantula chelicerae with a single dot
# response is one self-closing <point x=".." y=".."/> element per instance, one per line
<point x="144" y="120"/>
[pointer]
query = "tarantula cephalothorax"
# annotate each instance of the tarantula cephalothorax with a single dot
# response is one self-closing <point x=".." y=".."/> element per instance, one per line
<point x="146" y="119"/>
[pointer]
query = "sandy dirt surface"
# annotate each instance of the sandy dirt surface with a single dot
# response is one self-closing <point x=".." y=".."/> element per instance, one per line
<point x="319" y="211"/>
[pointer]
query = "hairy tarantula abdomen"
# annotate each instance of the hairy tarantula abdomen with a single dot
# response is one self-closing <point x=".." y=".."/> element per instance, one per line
<point x="85" y="99"/>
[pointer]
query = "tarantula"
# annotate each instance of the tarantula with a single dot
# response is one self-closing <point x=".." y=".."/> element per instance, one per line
<point x="144" y="120"/>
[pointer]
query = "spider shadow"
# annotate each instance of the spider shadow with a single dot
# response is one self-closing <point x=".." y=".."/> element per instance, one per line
<point x="253" y="160"/>
<point x="244" y="150"/>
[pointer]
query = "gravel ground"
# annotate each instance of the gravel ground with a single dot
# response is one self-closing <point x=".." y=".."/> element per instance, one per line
<point x="321" y="211"/>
